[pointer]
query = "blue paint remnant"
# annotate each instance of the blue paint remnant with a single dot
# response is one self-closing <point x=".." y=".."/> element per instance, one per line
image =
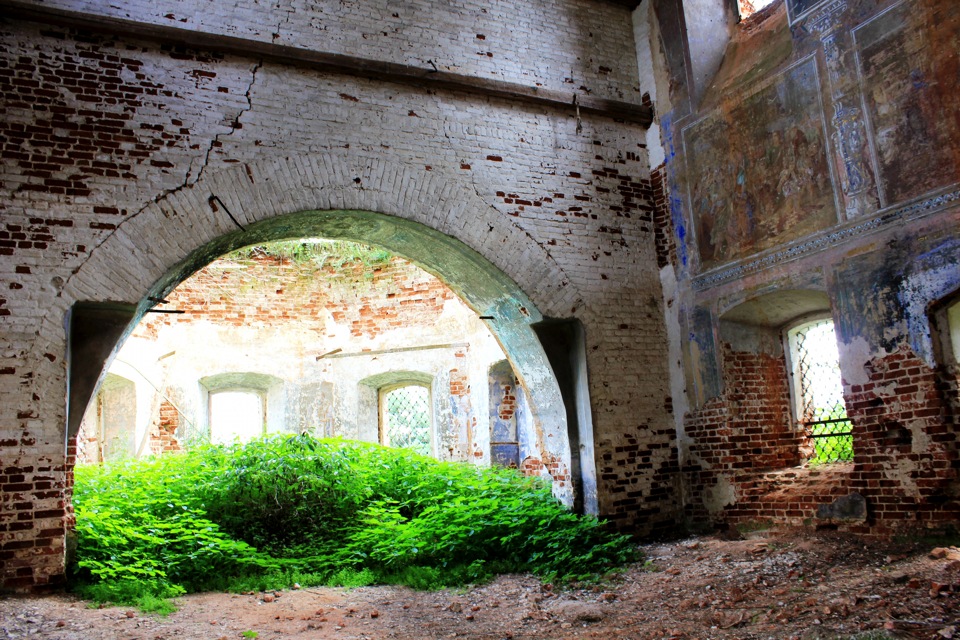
<point x="666" y="132"/>
<point x="885" y="296"/>
<point x="934" y="276"/>
<point x="676" y="215"/>
<point x="917" y="81"/>
<point x="675" y="201"/>
<point x="702" y="334"/>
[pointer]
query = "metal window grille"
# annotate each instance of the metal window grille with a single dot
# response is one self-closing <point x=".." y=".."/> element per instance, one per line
<point x="822" y="412"/>
<point x="406" y="418"/>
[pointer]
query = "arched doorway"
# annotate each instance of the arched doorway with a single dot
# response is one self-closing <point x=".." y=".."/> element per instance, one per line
<point x="97" y="329"/>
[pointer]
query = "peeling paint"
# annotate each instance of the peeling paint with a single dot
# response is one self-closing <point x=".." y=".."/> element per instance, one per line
<point x="720" y="495"/>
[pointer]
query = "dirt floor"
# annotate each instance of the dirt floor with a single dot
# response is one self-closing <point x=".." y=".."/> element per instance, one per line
<point x="771" y="585"/>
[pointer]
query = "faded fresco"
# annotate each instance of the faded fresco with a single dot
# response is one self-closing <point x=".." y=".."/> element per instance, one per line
<point x="703" y="354"/>
<point x="884" y="297"/>
<point x="758" y="169"/>
<point x="798" y="7"/>
<point x="910" y="69"/>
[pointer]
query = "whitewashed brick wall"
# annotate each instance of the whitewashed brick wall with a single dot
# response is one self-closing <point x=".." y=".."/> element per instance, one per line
<point x="556" y="44"/>
<point x="111" y="148"/>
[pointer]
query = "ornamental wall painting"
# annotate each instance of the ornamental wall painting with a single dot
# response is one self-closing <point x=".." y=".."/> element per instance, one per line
<point x="797" y="8"/>
<point x="758" y="169"/>
<point x="910" y="74"/>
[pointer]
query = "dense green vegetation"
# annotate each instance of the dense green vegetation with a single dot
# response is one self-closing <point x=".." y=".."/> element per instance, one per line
<point x="294" y="509"/>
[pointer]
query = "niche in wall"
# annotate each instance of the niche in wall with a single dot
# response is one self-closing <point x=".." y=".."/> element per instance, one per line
<point x="504" y="409"/>
<point x="758" y="378"/>
<point x="108" y="429"/>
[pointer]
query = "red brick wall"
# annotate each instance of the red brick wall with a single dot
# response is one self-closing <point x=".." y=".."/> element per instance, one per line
<point x="905" y="447"/>
<point x="36" y="504"/>
<point x="269" y="291"/>
<point x="787" y="496"/>
<point x="746" y="430"/>
<point x="641" y="477"/>
<point x="662" y="224"/>
<point x="750" y="426"/>
<point x="273" y="292"/>
<point x="460" y="406"/>
<point x="905" y="442"/>
<point x="106" y="136"/>
<point x="507" y="404"/>
<point x="163" y="437"/>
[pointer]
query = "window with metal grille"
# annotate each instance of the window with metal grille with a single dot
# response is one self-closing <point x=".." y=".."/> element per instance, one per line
<point x="405" y="418"/>
<point x="818" y="391"/>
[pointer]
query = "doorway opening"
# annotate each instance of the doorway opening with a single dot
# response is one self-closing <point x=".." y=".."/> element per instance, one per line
<point x="343" y="344"/>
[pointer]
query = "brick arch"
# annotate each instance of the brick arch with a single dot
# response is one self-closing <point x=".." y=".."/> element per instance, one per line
<point x="167" y="230"/>
<point x="437" y="222"/>
<point x="776" y="308"/>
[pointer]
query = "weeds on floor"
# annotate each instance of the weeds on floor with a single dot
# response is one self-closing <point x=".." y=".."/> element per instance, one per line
<point x="294" y="509"/>
<point x="753" y="526"/>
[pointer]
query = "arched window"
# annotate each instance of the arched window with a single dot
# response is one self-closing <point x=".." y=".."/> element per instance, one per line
<point x="405" y="418"/>
<point x="945" y="316"/>
<point x="947" y="322"/>
<point x="242" y="406"/>
<point x="108" y="430"/>
<point x="818" y="390"/>
<point x="236" y="414"/>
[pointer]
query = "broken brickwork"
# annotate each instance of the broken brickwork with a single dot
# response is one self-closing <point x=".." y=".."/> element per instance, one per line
<point x="747" y="430"/>
<point x="905" y="443"/>
<point x="164" y="436"/>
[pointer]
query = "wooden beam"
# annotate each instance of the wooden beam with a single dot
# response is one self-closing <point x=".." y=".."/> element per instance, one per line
<point x="392" y="72"/>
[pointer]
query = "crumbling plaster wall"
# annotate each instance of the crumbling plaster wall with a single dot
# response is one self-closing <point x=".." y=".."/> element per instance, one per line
<point x="116" y="135"/>
<point x="821" y="158"/>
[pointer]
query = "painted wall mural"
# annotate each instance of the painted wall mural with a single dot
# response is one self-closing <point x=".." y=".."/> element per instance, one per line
<point x="797" y="8"/>
<point x="884" y="297"/>
<point x="758" y="171"/>
<point x="910" y="70"/>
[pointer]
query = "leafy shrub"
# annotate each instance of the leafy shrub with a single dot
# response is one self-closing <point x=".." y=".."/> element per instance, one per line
<point x="289" y="509"/>
<point x="141" y="529"/>
<point x="351" y="578"/>
<point x="281" y="492"/>
<point x="453" y="516"/>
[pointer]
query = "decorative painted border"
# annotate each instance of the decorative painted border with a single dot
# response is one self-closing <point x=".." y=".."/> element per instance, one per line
<point x="836" y="6"/>
<point x="917" y="209"/>
<point x="871" y="129"/>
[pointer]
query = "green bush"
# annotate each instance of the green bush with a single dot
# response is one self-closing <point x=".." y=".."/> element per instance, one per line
<point x="289" y="509"/>
<point x="141" y="529"/>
